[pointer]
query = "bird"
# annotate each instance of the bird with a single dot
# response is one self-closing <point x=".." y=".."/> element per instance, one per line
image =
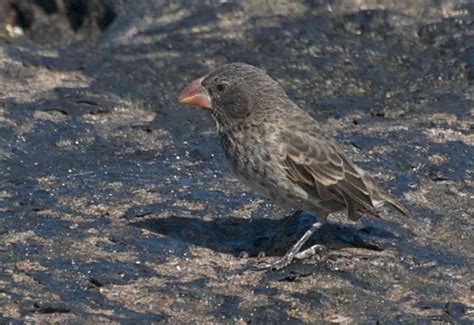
<point x="280" y="151"/>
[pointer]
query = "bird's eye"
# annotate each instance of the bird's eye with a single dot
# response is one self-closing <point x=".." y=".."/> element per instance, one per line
<point x="220" y="87"/>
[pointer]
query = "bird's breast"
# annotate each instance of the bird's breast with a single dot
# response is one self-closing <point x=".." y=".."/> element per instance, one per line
<point x="254" y="158"/>
<point x="246" y="149"/>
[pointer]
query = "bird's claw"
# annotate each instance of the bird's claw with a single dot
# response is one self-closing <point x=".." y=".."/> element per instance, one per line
<point x="279" y="264"/>
<point x="317" y="249"/>
<point x="286" y="260"/>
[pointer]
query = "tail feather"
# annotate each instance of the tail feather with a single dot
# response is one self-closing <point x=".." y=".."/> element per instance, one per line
<point x="380" y="197"/>
<point x="385" y="198"/>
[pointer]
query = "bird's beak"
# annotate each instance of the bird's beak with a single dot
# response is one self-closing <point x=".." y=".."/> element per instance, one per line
<point x="195" y="94"/>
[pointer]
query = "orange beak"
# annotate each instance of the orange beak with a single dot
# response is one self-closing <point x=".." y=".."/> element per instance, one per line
<point x="195" y="94"/>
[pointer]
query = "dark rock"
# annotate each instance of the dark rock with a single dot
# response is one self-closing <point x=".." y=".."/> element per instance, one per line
<point x="469" y="64"/>
<point x="50" y="308"/>
<point x="455" y="309"/>
<point x="116" y="205"/>
<point x="270" y="314"/>
<point x="426" y="305"/>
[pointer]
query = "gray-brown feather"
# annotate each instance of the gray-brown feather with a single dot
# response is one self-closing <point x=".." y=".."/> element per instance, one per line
<point x="327" y="174"/>
<point x="282" y="152"/>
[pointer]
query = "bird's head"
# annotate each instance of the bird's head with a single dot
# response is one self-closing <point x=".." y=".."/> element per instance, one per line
<point x="235" y="90"/>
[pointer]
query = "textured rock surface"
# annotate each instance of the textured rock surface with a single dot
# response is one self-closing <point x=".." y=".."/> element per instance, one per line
<point x="115" y="201"/>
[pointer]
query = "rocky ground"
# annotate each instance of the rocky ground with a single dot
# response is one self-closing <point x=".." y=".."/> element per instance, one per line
<point x="116" y="205"/>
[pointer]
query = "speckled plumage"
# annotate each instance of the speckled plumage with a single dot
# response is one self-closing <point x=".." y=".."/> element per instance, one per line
<point x="281" y="151"/>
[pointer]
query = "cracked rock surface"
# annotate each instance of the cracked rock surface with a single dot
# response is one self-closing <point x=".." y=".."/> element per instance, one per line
<point x="116" y="205"/>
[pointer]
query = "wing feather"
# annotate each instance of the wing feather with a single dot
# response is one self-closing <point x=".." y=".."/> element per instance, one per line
<point x="321" y="165"/>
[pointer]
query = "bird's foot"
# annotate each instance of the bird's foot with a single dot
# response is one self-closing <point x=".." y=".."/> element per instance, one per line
<point x="279" y="264"/>
<point x="286" y="260"/>
<point x="317" y="249"/>
<point x="294" y="252"/>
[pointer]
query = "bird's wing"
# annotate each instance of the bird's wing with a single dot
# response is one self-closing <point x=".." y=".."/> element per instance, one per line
<point x="319" y="164"/>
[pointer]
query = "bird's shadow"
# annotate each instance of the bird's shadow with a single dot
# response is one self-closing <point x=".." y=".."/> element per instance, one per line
<point x="234" y="235"/>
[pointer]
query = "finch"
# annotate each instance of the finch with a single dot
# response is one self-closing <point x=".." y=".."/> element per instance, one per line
<point x="280" y="151"/>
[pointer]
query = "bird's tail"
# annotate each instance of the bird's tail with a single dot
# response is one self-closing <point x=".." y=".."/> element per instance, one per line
<point x="380" y="197"/>
<point x="386" y="198"/>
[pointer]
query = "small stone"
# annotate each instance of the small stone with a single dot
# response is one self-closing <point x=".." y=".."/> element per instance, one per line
<point x="455" y="309"/>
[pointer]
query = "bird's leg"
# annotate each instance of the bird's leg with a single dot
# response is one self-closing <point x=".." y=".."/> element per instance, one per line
<point x="281" y="229"/>
<point x="294" y="251"/>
